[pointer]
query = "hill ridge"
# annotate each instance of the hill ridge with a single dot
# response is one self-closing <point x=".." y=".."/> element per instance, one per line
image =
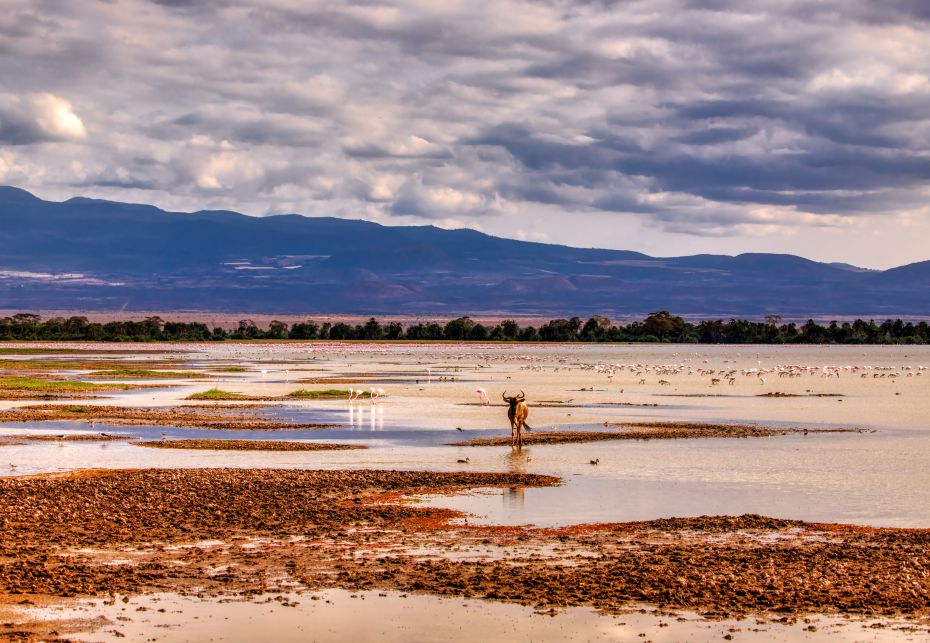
<point x="107" y="255"/>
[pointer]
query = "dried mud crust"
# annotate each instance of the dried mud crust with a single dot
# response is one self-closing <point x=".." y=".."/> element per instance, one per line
<point x="247" y="445"/>
<point x="132" y="531"/>
<point x="219" y="417"/>
<point x="650" y="431"/>
<point x="47" y="523"/>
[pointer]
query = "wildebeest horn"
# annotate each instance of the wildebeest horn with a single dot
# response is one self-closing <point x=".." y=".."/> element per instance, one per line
<point x="504" y="396"/>
<point x="522" y="395"/>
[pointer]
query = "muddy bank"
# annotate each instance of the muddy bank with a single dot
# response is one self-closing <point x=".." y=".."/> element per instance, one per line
<point x="226" y="418"/>
<point x="54" y="365"/>
<point x="780" y="394"/>
<point x="37" y="397"/>
<point x="247" y="445"/>
<point x="45" y="520"/>
<point x="649" y="431"/>
<point x="70" y="437"/>
<point x="258" y="530"/>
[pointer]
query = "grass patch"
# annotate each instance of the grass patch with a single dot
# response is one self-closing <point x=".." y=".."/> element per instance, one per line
<point x="218" y="394"/>
<point x="231" y="369"/>
<point x="75" y="409"/>
<point x="328" y="394"/>
<point x="67" y="386"/>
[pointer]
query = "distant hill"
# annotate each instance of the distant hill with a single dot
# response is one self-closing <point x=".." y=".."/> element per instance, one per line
<point x="87" y="254"/>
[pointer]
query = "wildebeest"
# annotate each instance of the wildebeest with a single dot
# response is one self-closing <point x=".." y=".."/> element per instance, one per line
<point x="517" y="415"/>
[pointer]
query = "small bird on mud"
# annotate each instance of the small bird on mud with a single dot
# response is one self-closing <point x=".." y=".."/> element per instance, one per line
<point x="596" y="461"/>
<point x="458" y="428"/>
<point x="463" y="460"/>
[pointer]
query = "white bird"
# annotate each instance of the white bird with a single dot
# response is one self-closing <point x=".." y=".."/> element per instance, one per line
<point x="483" y="397"/>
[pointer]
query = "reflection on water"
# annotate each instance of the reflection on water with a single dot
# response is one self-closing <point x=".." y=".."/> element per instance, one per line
<point x="356" y="417"/>
<point x="340" y="615"/>
<point x="514" y="501"/>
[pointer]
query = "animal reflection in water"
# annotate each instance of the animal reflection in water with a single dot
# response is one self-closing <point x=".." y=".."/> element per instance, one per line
<point x="517" y="414"/>
<point x="514" y="499"/>
<point x="375" y="418"/>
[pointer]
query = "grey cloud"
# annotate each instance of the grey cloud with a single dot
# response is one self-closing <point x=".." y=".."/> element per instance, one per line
<point x="17" y="128"/>
<point x="685" y="116"/>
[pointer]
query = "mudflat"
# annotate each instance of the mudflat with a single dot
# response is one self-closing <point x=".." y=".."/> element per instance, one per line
<point x="247" y="445"/>
<point x="219" y="418"/>
<point x="172" y="529"/>
<point x="650" y="431"/>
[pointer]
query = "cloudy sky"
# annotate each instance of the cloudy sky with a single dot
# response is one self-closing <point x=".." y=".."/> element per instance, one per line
<point x="665" y="126"/>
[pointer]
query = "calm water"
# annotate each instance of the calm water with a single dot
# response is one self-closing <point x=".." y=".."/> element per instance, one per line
<point x="339" y="615"/>
<point x="879" y="478"/>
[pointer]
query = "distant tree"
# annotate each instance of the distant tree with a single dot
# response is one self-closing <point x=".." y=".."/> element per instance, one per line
<point x="509" y="329"/>
<point x="341" y="330"/>
<point x="304" y="330"/>
<point x="560" y="330"/>
<point x="246" y="330"/>
<point x="663" y="325"/>
<point x="458" y="329"/>
<point x="372" y="330"/>
<point x="595" y="329"/>
<point x="394" y="330"/>
<point x="277" y="330"/>
<point x="478" y="333"/>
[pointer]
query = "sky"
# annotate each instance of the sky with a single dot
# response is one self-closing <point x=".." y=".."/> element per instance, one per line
<point x="669" y="127"/>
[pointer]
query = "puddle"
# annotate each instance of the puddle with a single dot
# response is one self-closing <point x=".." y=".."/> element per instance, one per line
<point x="341" y="615"/>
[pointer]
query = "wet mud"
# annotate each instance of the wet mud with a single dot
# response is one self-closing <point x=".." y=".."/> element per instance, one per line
<point x="214" y="417"/>
<point x="247" y="445"/>
<point x="649" y="431"/>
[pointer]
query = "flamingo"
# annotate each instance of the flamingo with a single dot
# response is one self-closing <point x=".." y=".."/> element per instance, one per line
<point x="483" y="397"/>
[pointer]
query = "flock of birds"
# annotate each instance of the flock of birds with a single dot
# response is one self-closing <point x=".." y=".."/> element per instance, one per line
<point x="374" y="394"/>
<point x="718" y="375"/>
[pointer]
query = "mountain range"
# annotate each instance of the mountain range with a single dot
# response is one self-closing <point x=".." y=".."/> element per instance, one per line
<point x="94" y="255"/>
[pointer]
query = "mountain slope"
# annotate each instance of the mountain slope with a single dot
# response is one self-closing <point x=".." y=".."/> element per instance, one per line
<point x="100" y="255"/>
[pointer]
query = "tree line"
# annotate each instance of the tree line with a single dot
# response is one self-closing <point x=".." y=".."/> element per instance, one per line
<point x="660" y="326"/>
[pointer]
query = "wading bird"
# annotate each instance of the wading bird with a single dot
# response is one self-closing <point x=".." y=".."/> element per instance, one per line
<point x="483" y="397"/>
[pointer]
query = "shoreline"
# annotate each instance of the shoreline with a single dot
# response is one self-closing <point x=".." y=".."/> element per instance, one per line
<point x="96" y="532"/>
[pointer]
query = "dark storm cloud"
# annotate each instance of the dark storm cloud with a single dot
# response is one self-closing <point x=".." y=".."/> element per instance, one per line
<point x="17" y="128"/>
<point x="692" y="117"/>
